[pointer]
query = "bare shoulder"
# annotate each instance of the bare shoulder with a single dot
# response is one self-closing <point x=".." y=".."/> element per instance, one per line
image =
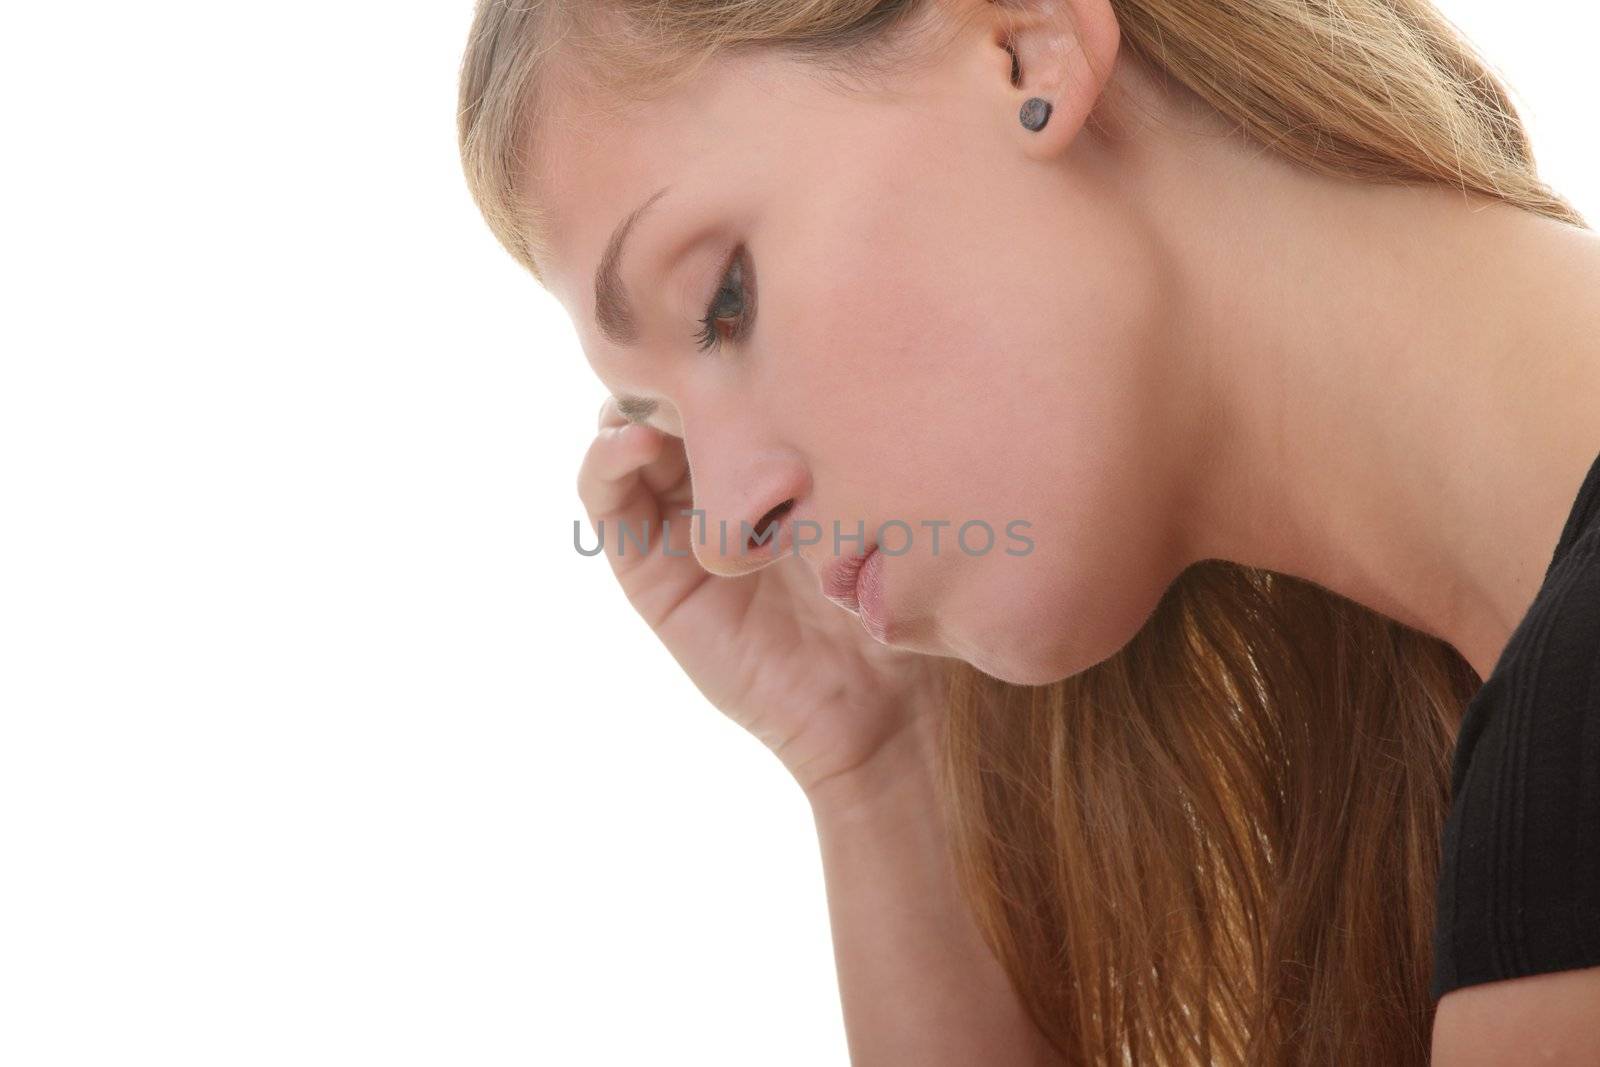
<point x="1550" y="1019"/>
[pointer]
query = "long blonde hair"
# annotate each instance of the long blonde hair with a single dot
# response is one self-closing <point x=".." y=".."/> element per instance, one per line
<point x="1221" y="844"/>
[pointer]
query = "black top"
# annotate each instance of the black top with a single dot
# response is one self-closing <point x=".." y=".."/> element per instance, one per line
<point x="1519" y="876"/>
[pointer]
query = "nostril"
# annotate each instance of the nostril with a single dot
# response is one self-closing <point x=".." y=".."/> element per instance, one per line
<point x="760" y="536"/>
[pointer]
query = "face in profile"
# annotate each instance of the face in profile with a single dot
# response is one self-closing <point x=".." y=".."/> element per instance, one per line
<point x="891" y="307"/>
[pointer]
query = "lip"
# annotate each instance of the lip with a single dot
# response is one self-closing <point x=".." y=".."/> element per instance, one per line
<point x="869" y="596"/>
<point x="839" y="578"/>
<point x="856" y="583"/>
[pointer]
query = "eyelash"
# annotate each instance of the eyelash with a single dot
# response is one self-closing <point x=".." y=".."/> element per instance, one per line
<point x="709" y="336"/>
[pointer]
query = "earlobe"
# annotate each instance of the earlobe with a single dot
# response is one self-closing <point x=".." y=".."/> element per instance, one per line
<point x="1061" y="57"/>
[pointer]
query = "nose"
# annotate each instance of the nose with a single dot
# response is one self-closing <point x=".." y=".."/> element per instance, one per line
<point x="744" y="500"/>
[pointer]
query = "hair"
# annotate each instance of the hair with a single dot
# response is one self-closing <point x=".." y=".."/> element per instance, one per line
<point x="1221" y="844"/>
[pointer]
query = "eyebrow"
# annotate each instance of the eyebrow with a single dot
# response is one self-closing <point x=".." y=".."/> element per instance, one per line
<point x="613" y="312"/>
<point x="635" y="408"/>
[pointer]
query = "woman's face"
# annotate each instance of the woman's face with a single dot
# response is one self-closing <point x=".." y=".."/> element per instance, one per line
<point x="946" y="317"/>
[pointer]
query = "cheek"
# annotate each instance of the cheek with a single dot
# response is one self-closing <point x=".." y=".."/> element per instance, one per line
<point x="936" y="377"/>
<point x="929" y="385"/>
<point x="948" y="377"/>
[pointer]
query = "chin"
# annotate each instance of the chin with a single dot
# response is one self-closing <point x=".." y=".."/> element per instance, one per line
<point x="1022" y="670"/>
<point x="1028" y="633"/>
<point x="1040" y="647"/>
<point x="1016" y="658"/>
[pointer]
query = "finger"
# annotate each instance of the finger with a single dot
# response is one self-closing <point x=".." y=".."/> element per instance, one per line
<point x="663" y="476"/>
<point x="616" y="482"/>
<point x="668" y="474"/>
<point x="610" y="413"/>
<point x="609" y="477"/>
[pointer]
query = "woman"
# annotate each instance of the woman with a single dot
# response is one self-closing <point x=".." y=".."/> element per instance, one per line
<point x="1250" y="334"/>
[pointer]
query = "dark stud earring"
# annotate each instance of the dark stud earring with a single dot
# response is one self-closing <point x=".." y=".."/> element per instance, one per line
<point x="1035" y="112"/>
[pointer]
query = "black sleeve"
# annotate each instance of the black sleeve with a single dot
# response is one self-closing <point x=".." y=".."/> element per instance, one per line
<point x="1519" y="879"/>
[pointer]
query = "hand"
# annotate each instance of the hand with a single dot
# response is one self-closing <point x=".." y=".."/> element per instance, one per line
<point x="772" y="653"/>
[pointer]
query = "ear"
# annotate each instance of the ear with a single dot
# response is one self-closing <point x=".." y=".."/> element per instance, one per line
<point x="1064" y="51"/>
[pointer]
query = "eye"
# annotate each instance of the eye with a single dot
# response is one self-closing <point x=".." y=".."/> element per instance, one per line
<point x="734" y="299"/>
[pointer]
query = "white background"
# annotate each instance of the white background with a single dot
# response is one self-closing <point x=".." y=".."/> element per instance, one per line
<point x="320" y="744"/>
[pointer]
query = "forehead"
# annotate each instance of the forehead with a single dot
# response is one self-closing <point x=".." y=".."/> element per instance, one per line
<point x="724" y="125"/>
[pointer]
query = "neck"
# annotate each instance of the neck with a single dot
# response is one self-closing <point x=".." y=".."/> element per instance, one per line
<point x="1390" y="391"/>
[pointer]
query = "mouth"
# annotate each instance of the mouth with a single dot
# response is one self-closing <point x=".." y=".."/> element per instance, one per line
<point x="856" y="583"/>
<point x="839" y="578"/>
